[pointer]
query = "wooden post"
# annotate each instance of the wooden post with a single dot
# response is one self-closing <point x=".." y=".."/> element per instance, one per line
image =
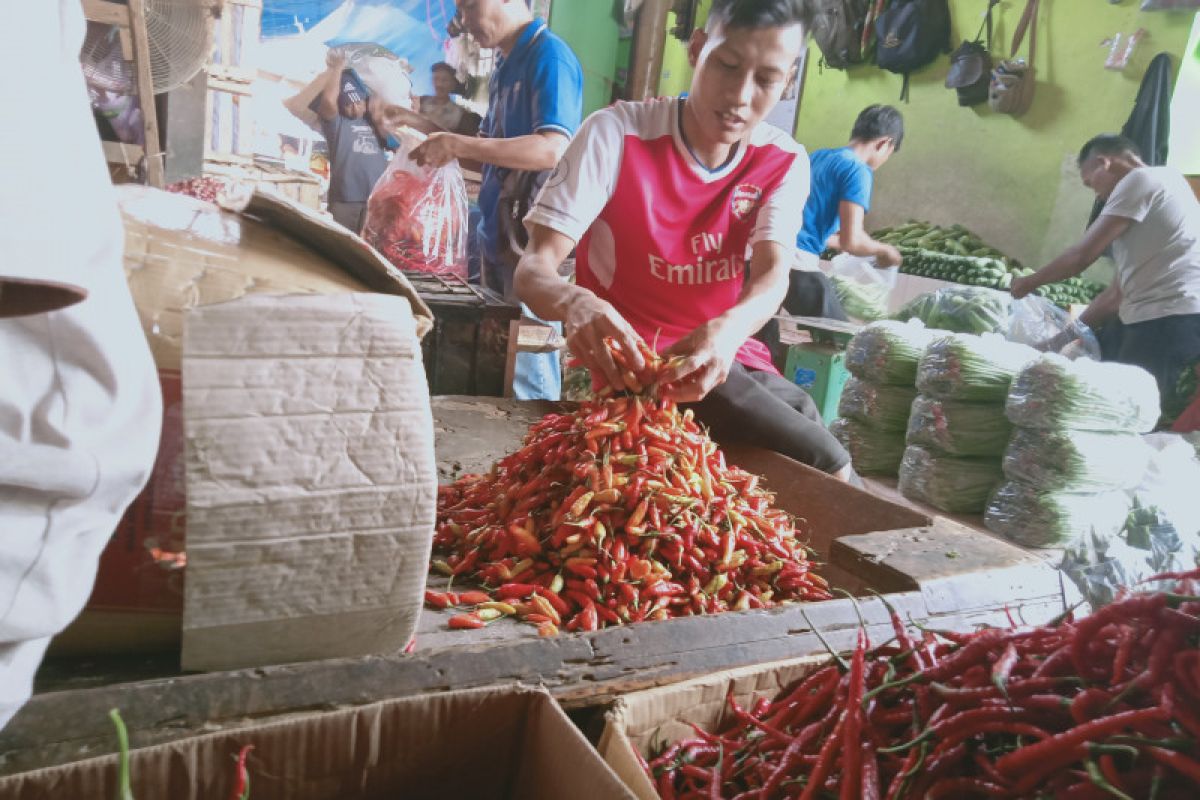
<point x="145" y="90"/>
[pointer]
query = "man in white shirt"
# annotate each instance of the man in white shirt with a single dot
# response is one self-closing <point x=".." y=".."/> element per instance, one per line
<point x="1151" y="218"/>
<point x="80" y="408"/>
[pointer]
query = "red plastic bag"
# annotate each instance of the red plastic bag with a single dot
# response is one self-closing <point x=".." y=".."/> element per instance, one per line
<point x="417" y="216"/>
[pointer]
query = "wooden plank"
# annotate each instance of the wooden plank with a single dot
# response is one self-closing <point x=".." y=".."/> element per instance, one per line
<point x="145" y="83"/>
<point x="106" y="12"/>
<point x="121" y="153"/>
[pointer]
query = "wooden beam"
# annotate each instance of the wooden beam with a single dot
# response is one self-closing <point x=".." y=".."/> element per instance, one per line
<point x="145" y="82"/>
<point x="106" y="12"/>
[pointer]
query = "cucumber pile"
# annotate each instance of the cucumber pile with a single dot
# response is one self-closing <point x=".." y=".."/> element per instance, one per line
<point x="952" y="241"/>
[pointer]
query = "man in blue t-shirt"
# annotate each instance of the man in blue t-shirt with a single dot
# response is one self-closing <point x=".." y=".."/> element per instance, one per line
<point x="535" y="102"/>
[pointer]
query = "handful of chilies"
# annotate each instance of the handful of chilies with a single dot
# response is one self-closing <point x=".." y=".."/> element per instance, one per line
<point x="1104" y="707"/>
<point x="621" y="511"/>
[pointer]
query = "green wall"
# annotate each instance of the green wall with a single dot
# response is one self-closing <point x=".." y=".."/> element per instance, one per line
<point x="676" y="75"/>
<point x="1010" y="179"/>
<point x="590" y="28"/>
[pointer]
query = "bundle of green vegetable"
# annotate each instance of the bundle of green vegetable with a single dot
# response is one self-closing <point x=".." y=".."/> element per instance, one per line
<point x="960" y="309"/>
<point x="1079" y="461"/>
<point x="974" y="368"/>
<point x="954" y="240"/>
<point x="1055" y="392"/>
<point x="872" y="451"/>
<point x="959" y="429"/>
<point x="862" y="300"/>
<point x="953" y="484"/>
<point x="888" y="351"/>
<point x="1038" y="517"/>
<point x="882" y="406"/>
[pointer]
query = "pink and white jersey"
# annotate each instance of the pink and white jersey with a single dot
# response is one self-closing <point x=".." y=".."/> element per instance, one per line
<point x="662" y="238"/>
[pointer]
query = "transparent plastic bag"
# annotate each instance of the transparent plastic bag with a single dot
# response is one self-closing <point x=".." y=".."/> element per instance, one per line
<point x="1076" y="461"/>
<point x="879" y="405"/>
<point x="1037" y="322"/>
<point x="1054" y="392"/>
<point x="861" y="287"/>
<point x="888" y="351"/>
<point x="961" y="309"/>
<point x="957" y="428"/>
<point x="872" y="451"/>
<point x="974" y="368"/>
<point x="417" y="216"/>
<point x="952" y="484"/>
<point x="1038" y="517"/>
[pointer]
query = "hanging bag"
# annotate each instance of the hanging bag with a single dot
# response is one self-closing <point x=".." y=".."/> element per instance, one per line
<point x="971" y="65"/>
<point x="1013" y="81"/>
<point x="911" y="34"/>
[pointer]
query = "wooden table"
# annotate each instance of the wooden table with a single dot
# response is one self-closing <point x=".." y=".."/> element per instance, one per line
<point x="932" y="570"/>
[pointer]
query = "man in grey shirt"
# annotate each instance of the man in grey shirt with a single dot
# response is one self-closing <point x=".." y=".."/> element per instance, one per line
<point x="1151" y="218"/>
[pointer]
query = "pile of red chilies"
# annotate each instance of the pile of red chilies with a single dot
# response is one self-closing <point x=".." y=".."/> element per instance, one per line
<point x="1105" y="707"/>
<point x="621" y="511"/>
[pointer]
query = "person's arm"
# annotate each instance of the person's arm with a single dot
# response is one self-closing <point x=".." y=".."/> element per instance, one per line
<point x="387" y="118"/>
<point x="587" y="320"/>
<point x="535" y="152"/>
<point x="1103" y="307"/>
<point x="852" y="237"/>
<point x="708" y="352"/>
<point x="1075" y="259"/>
<point x="331" y="80"/>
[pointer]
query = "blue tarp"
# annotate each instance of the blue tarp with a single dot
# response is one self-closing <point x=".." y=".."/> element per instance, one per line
<point x="412" y="29"/>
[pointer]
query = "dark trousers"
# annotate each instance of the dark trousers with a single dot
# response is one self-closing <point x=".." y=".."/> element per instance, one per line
<point x="1164" y="347"/>
<point x="810" y="294"/>
<point x="769" y="411"/>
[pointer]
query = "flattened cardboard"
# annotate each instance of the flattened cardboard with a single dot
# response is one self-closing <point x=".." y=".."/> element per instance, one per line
<point x="180" y="253"/>
<point x="311" y="480"/>
<point x="507" y="742"/>
<point x="644" y="722"/>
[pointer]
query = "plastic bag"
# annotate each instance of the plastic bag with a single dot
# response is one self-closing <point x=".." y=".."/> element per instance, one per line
<point x="1054" y="392"/>
<point x="1037" y="322"/>
<point x="417" y="216"/>
<point x="888" y="351"/>
<point x="1038" y="517"/>
<point x="960" y="309"/>
<point x="861" y="287"/>
<point x="1076" y="461"/>
<point x="952" y="484"/>
<point x="975" y="368"/>
<point x="881" y="406"/>
<point x="957" y="428"/>
<point x="872" y="451"/>
<point x="385" y="75"/>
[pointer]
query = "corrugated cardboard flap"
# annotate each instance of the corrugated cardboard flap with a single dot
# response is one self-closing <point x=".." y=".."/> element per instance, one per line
<point x="644" y="721"/>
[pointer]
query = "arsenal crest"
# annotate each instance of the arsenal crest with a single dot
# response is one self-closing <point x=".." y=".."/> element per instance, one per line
<point x="746" y="197"/>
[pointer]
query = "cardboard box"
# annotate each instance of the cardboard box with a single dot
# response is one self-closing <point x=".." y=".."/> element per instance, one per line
<point x="508" y="742"/>
<point x="310" y="479"/>
<point x="181" y="253"/>
<point x="645" y="722"/>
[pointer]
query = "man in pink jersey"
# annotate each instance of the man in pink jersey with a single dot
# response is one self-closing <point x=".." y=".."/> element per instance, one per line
<point x="685" y="214"/>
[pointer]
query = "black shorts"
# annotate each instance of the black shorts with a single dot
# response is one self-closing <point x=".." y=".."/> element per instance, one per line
<point x="1164" y="347"/>
<point x="768" y="411"/>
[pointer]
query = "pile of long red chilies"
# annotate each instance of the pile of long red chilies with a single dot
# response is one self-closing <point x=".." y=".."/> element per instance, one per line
<point x="1104" y="707"/>
<point x="621" y="511"/>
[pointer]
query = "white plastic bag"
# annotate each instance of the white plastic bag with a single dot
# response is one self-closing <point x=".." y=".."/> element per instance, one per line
<point x="1037" y="322"/>
<point x="417" y="216"/>
<point x="862" y="288"/>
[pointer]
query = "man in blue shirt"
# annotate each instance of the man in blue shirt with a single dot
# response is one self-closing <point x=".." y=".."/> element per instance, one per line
<point x="535" y="102"/>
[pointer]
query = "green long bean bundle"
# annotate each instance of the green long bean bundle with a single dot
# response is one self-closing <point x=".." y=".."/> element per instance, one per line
<point x="957" y="428"/>
<point x="950" y="483"/>
<point x="872" y="451"/>
<point x="1038" y="517"/>
<point x="975" y="368"/>
<point x="1077" y="461"/>
<point x="888" y="351"/>
<point x="882" y="406"/>
<point x="1054" y="392"/>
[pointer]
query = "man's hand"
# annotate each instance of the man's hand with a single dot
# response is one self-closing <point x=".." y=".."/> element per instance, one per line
<point x="708" y="355"/>
<point x="1022" y="286"/>
<point x="888" y="256"/>
<point x="335" y="59"/>
<point x="436" y="151"/>
<point x="587" y="323"/>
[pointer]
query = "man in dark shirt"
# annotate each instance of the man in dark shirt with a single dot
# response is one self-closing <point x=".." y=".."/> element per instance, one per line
<point x="356" y="155"/>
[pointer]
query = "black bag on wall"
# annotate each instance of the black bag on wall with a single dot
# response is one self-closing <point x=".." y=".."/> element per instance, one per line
<point x="911" y="34"/>
<point x="971" y="65"/>
<point x="837" y="29"/>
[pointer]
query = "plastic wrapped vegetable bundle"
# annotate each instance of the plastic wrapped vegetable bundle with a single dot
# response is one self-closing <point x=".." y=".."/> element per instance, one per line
<point x="1038" y="517"/>
<point x="974" y="368"/>
<point x="888" y="351"/>
<point x="872" y="451"/>
<point x="957" y="428"/>
<point x="1080" y="461"/>
<point x="881" y="406"/>
<point x="961" y="309"/>
<point x="1055" y="392"/>
<point x="953" y="484"/>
